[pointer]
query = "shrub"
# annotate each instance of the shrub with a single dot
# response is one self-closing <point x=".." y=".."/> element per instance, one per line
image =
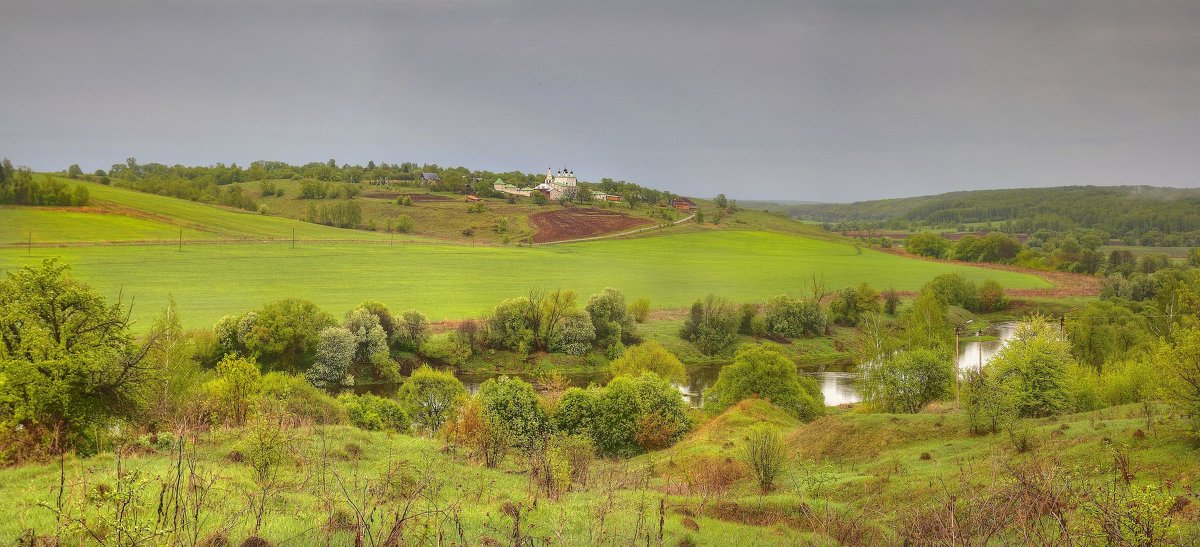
<point x="763" y="372"/>
<point x="574" y="336"/>
<point x="924" y="322"/>
<point x="1032" y="369"/>
<point x="286" y="333"/>
<point x="231" y="396"/>
<point x="850" y="305"/>
<point x="1181" y="362"/>
<point x="610" y="317"/>
<point x="711" y="325"/>
<point x="991" y="297"/>
<point x="891" y="301"/>
<point x="404" y="223"/>
<point x="431" y="397"/>
<point x="927" y="244"/>
<point x="905" y="381"/>
<point x="988" y="408"/>
<point x="412" y="330"/>
<point x="650" y="357"/>
<point x="955" y="290"/>
<point x="374" y="413"/>
<point x="487" y="442"/>
<point x="511" y="406"/>
<point x="575" y="411"/>
<point x="639" y="310"/>
<point x="763" y="453"/>
<point x="388" y="322"/>
<point x="626" y="417"/>
<point x="792" y="317"/>
<point x="631" y="411"/>
<point x="749" y="314"/>
<point x="563" y="460"/>
<point x="335" y="352"/>
<point x="371" y="357"/>
<point x="298" y="397"/>
<point x="508" y="326"/>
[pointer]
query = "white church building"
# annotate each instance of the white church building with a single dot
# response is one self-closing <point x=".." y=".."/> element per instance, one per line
<point x="558" y="185"/>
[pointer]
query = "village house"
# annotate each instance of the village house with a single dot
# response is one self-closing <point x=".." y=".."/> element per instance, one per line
<point x="511" y="189"/>
<point x="683" y="204"/>
<point x="430" y="179"/>
<point x="601" y="196"/>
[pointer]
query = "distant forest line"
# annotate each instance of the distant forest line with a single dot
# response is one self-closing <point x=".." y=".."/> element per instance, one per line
<point x="1136" y="215"/>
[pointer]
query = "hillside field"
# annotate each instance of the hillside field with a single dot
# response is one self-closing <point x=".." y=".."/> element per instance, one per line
<point x="454" y="281"/>
<point x="120" y="215"/>
<point x="849" y="478"/>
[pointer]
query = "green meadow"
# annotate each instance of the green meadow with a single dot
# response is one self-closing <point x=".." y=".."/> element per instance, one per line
<point x="37" y="225"/>
<point x="454" y="281"/>
<point x="849" y="478"/>
<point x="120" y="215"/>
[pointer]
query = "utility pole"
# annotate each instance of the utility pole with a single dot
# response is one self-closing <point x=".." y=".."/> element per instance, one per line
<point x="30" y="248"/>
<point x="957" y="332"/>
<point x="293" y="238"/>
<point x="181" y="240"/>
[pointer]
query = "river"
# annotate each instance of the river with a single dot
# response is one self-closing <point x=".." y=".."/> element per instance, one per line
<point x="838" y="383"/>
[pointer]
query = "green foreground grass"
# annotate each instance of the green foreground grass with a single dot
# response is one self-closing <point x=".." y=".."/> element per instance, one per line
<point x="850" y="478"/>
<point x="453" y="281"/>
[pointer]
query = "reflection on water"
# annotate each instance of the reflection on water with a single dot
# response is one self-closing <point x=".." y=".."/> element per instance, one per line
<point x="839" y="385"/>
<point x="973" y="355"/>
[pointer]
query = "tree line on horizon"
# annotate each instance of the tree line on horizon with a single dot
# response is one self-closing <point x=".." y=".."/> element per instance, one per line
<point x="1136" y="215"/>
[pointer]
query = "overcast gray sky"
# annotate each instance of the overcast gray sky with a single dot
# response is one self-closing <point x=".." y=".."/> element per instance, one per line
<point x="808" y="100"/>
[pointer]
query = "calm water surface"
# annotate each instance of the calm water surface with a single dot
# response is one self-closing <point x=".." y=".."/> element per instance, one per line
<point x="838" y="383"/>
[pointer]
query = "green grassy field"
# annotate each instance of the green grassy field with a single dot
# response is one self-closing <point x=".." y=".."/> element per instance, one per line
<point x="125" y="215"/>
<point x="20" y="225"/>
<point x="455" y="281"/>
<point x="849" y="478"/>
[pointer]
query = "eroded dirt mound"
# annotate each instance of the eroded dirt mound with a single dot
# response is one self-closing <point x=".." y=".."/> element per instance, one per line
<point x="579" y="223"/>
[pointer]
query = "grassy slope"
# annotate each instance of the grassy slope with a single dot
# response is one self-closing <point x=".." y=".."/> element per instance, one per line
<point x="19" y="224"/>
<point x="295" y="516"/>
<point x="454" y="281"/>
<point x="126" y="215"/>
<point x="121" y="215"/>
<point x="872" y="462"/>
<point x="438" y="219"/>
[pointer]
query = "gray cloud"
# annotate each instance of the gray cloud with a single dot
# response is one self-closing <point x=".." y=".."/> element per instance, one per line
<point x="829" y="100"/>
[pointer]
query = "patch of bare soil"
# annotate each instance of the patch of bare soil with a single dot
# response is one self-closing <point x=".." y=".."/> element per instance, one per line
<point x="579" y="223"/>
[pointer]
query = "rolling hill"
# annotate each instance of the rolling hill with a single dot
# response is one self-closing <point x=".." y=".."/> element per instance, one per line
<point x="232" y="261"/>
<point x="120" y="215"/>
<point x="1146" y="214"/>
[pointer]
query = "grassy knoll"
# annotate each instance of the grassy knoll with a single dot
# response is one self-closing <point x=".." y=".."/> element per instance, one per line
<point x="454" y="281"/>
<point x="849" y="478"/>
<point x="118" y="214"/>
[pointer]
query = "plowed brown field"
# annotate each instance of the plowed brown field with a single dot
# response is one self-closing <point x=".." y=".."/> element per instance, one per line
<point x="578" y="223"/>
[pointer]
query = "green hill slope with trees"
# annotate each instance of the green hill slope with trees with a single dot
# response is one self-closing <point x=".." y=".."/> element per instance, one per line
<point x="1136" y="214"/>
